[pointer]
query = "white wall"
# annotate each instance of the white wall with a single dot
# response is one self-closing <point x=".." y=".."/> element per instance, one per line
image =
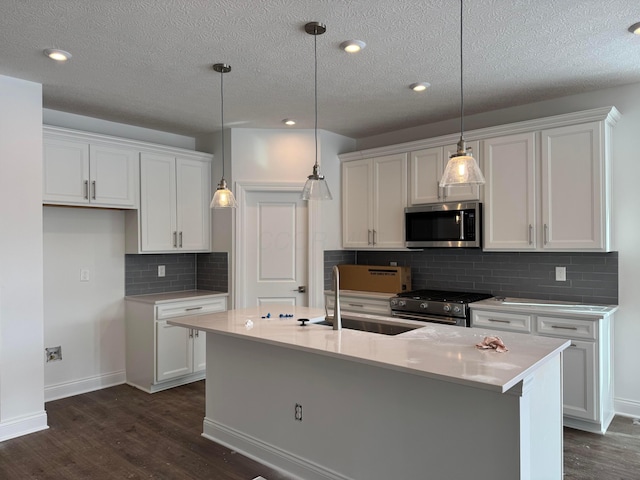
<point x="21" y="305"/>
<point x="96" y="125"/>
<point x="85" y="318"/>
<point x="626" y="221"/>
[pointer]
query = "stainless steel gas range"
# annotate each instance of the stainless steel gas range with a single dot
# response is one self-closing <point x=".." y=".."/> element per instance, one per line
<point x="440" y="306"/>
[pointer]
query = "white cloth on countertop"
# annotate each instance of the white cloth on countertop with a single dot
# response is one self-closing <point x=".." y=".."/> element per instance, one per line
<point x="493" y="342"/>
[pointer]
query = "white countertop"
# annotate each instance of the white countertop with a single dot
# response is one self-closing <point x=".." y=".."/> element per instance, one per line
<point x="436" y="351"/>
<point x="545" y="307"/>
<point x="158" y="298"/>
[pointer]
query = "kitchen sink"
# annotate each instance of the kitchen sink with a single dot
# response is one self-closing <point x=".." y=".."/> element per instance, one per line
<point x="369" y="326"/>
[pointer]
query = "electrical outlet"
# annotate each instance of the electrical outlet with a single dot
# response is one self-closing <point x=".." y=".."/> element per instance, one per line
<point x="298" y="415"/>
<point x="161" y="270"/>
<point x="561" y="274"/>
<point x="53" y="353"/>
<point x="84" y="274"/>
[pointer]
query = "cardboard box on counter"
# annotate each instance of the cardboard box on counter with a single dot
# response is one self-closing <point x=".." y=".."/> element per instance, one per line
<point x="375" y="278"/>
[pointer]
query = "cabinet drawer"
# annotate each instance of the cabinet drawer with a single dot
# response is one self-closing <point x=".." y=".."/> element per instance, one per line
<point x="360" y="305"/>
<point x="191" y="307"/>
<point x="512" y="322"/>
<point x="566" y="327"/>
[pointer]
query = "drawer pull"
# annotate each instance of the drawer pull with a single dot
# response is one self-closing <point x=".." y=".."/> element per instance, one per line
<point x="499" y="321"/>
<point x="564" y="328"/>
<point x="193" y="308"/>
<point x="356" y="305"/>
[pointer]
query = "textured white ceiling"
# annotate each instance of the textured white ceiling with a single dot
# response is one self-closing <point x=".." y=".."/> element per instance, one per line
<point x="148" y="62"/>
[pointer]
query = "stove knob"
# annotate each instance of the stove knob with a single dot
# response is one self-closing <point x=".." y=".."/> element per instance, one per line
<point x="447" y="308"/>
<point x="457" y="309"/>
<point x="424" y="305"/>
<point x="402" y="303"/>
<point x="394" y="302"/>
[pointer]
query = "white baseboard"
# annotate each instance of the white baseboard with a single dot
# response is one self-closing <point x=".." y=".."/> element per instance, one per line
<point x="83" y="385"/>
<point x="267" y="454"/>
<point x="626" y="408"/>
<point x="23" y="426"/>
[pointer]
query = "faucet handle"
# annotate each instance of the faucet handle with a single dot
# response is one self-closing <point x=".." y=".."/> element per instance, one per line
<point x="303" y="321"/>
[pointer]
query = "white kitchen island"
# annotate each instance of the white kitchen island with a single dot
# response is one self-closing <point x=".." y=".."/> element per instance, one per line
<point x="426" y="404"/>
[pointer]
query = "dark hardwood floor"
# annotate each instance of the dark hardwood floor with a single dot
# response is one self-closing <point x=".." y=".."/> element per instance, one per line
<point x="122" y="432"/>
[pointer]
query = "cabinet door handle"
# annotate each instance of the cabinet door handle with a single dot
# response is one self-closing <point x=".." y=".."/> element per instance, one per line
<point x="564" y="328"/>
<point x="438" y="189"/>
<point x="546" y="234"/>
<point x="190" y="309"/>
<point x="190" y="333"/>
<point x="530" y="234"/>
<point x="93" y="184"/>
<point x="197" y="332"/>
<point x="573" y="345"/>
<point x="498" y="321"/>
<point x="86" y="189"/>
<point x="368" y="237"/>
<point x="180" y="239"/>
<point x="375" y="237"/>
<point x="356" y="305"/>
<point x="175" y="239"/>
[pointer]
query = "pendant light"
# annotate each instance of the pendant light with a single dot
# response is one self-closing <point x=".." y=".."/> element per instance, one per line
<point x="462" y="168"/>
<point x="223" y="198"/>
<point x="316" y="187"/>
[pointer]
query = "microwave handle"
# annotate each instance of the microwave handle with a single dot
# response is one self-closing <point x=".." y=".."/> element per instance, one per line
<point x="462" y="218"/>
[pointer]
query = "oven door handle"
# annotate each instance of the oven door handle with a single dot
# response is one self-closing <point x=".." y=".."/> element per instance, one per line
<point x="429" y="318"/>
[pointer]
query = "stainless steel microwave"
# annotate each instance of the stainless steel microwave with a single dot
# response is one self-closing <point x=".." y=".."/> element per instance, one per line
<point x="444" y="225"/>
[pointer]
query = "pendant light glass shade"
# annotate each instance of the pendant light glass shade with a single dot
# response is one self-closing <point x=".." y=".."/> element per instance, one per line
<point x="223" y="197"/>
<point x="316" y="187"/>
<point x="462" y="168"/>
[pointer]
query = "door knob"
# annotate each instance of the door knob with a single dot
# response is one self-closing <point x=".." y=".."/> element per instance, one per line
<point x="301" y="289"/>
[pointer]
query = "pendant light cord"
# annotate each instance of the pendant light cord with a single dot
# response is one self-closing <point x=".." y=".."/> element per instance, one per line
<point x="222" y="117"/>
<point x="461" y="90"/>
<point x="315" y="86"/>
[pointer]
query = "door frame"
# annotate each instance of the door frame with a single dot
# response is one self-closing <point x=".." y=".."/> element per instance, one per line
<point x="315" y="251"/>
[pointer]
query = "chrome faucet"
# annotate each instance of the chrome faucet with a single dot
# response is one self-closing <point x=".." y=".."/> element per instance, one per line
<point x="337" y="318"/>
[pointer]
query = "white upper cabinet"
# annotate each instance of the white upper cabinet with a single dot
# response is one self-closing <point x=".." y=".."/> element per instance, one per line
<point x="510" y="198"/>
<point x="374" y="196"/>
<point x="79" y="172"/>
<point x="548" y="190"/>
<point x="174" y="203"/>
<point x="425" y="170"/>
<point x="574" y="194"/>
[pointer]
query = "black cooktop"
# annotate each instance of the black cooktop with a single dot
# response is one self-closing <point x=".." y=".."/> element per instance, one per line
<point x="445" y="296"/>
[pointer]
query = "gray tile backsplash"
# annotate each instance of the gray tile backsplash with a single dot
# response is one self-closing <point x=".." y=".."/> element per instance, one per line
<point x="591" y="277"/>
<point x="183" y="271"/>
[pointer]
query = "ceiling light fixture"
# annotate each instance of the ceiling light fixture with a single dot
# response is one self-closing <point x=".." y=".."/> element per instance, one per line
<point x="57" y="55"/>
<point x="289" y="121"/>
<point x="223" y="198"/>
<point x="352" y="46"/>
<point x="419" y="86"/>
<point x="462" y="168"/>
<point x="635" y="28"/>
<point x="316" y="187"/>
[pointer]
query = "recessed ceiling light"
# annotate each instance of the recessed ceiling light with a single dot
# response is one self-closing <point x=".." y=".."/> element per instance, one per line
<point x="58" y="55"/>
<point x="635" y="28"/>
<point x="352" y="46"/>
<point x="419" y="87"/>
<point x="289" y="121"/>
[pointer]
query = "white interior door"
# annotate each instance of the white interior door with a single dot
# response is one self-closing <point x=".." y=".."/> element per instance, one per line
<point x="275" y="244"/>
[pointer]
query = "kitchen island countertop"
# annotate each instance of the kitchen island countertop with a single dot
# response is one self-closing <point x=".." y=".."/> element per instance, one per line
<point x="436" y="351"/>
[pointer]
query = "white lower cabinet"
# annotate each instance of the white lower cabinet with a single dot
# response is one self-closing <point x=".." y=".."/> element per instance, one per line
<point x="587" y="363"/>
<point x="160" y="355"/>
<point x="360" y="302"/>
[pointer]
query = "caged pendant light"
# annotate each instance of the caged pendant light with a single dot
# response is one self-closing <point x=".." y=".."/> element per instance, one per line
<point x="462" y="168"/>
<point x="316" y="187"/>
<point x="223" y="198"/>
